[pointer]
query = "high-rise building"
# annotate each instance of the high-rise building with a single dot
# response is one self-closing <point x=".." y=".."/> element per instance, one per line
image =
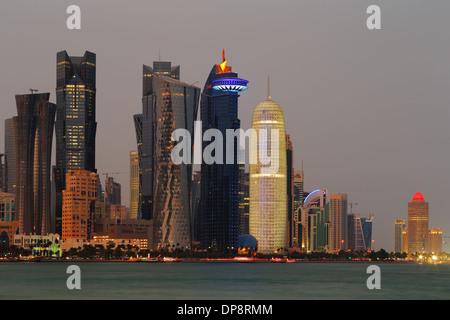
<point x="435" y="241"/>
<point x="134" y="184"/>
<point x="363" y="233"/>
<point x="219" y="217"/>
<point x="79" y="204"/>
<point x="399" y="226"/>
<point x="145" y="132"/>
<point x="112" y="192"/>
<point x="313" y="222"/>
<point x="137" y="120"/>
<point x="268" y="192"/>
<point x="290" y="191"/>
<point x="33" y="130"/>
<point x="298" y="188"/>
<point x="338" y="213"/>
<point x="417" y="224"/>
<point x="168" y="104"/>
<point x="195" y="204"/>
<point x="75" y="124"/>
<point x="10" y="157"/>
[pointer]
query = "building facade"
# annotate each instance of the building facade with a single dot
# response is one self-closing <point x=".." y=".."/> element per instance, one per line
<point x="338" y="213"/>
<point x="134" y="184"/>
<point x="79" y="204"/>
<point x="10" y="157"/>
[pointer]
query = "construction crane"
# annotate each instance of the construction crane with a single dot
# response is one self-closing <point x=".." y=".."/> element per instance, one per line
<point x="108" y="173"/>
<point x="33" y="91"/>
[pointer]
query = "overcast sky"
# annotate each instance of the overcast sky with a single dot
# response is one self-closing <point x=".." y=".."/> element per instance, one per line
<point x="367" y="110"/>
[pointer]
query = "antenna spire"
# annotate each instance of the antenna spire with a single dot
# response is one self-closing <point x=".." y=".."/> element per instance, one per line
<point x="268" y="87"/>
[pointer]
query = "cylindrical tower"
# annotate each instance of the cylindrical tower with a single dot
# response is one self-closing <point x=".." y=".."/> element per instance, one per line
<point x="268" y="191"/>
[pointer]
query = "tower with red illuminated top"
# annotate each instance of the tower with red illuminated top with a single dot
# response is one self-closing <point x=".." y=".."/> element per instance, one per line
<point x="218" y="218"/>
<point x="417" y="224"/>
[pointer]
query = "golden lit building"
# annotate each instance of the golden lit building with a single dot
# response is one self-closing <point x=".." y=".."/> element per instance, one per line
<point x="79" y="204"/>
<point x="268" y="181"/>
<point x="338" y="215"/>
<point x="435" y="240"/>
<point x="417" y="224"/>
<point x="134" y="184"/>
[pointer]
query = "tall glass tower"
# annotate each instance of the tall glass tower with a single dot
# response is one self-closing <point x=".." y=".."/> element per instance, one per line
<point x="75" y="124"/>
<point x="33" y="131"/>
<point x="219" y="213"/>
<point x="268" y="191"/>
<point x="145" y="132"/>
<point x="168" y="104"/>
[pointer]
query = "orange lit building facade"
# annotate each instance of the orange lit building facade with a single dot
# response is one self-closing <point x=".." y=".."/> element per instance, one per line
<point x="79" y="204"/>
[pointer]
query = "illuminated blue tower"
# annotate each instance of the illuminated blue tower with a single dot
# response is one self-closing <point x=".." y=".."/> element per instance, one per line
<point x="219" y="203"/>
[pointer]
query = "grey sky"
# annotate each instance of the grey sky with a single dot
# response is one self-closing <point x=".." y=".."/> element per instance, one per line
<point x="367" y="111"/>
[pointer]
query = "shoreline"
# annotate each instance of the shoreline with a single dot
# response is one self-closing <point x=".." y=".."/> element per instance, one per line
<point x="189" y="260"/>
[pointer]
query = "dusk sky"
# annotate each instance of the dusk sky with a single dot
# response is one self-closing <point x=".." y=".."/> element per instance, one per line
<point x="367" y="110"/>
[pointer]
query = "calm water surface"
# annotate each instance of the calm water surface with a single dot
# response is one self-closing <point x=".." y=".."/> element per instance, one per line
<point x="223" y="281"/>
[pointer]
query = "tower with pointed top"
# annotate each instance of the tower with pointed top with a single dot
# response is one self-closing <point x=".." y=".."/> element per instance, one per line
<point x="268" y="192"/>
<point x="219" y="203"/>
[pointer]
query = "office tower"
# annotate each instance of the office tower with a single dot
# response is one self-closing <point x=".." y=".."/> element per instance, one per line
<point x="435" y="241"/>
<point x="417" y="224"/>
<point x="75" y="124"/>
<point x="298" y="188"/>
<point x="168" y="104"/>
<point x="338" y="212"/>
<point x="137" y="120"/>
<point x="399" y="226"/>
<point x="405" y="240"/>
<point x="290" y="190"/>
<point x="268" y="192"/>
<point x="10" y="157"/>
<point x="244" y="200"/>
<point x="145" y="133"/>
<point x="79" y="204"/>
<point x="220" y="180"/>
<point x="134" y="184"/>
<point x="313" y="224"/>
<point x="33" y="130"/>
<point x="363" y="233"/>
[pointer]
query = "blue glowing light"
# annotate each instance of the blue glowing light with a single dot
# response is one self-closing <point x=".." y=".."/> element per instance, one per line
<point x="230" y="84"/>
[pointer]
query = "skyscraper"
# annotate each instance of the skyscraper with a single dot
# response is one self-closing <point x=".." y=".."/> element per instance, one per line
<point x="168" y="105"/>
<point x="75" y="124"/>
<point x="399" y="226"/>
<point x="134" y="184"/>
<point x="417" y="224"/>
<point x="244" y="200"/>
<point x="435" y="241"/>
<point x="145" y="133"/>
<point x="219" y="217"/>
<point x="268" y="181"/>
<point x="137" y="119"/>
<point x="290" y="191"/>
<point x="33" y="131"/>
<point x="338" y="212"/>
<point x="363" y="233"/>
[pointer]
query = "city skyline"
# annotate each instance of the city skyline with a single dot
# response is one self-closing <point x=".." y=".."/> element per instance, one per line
<point x="399" y="145"/>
